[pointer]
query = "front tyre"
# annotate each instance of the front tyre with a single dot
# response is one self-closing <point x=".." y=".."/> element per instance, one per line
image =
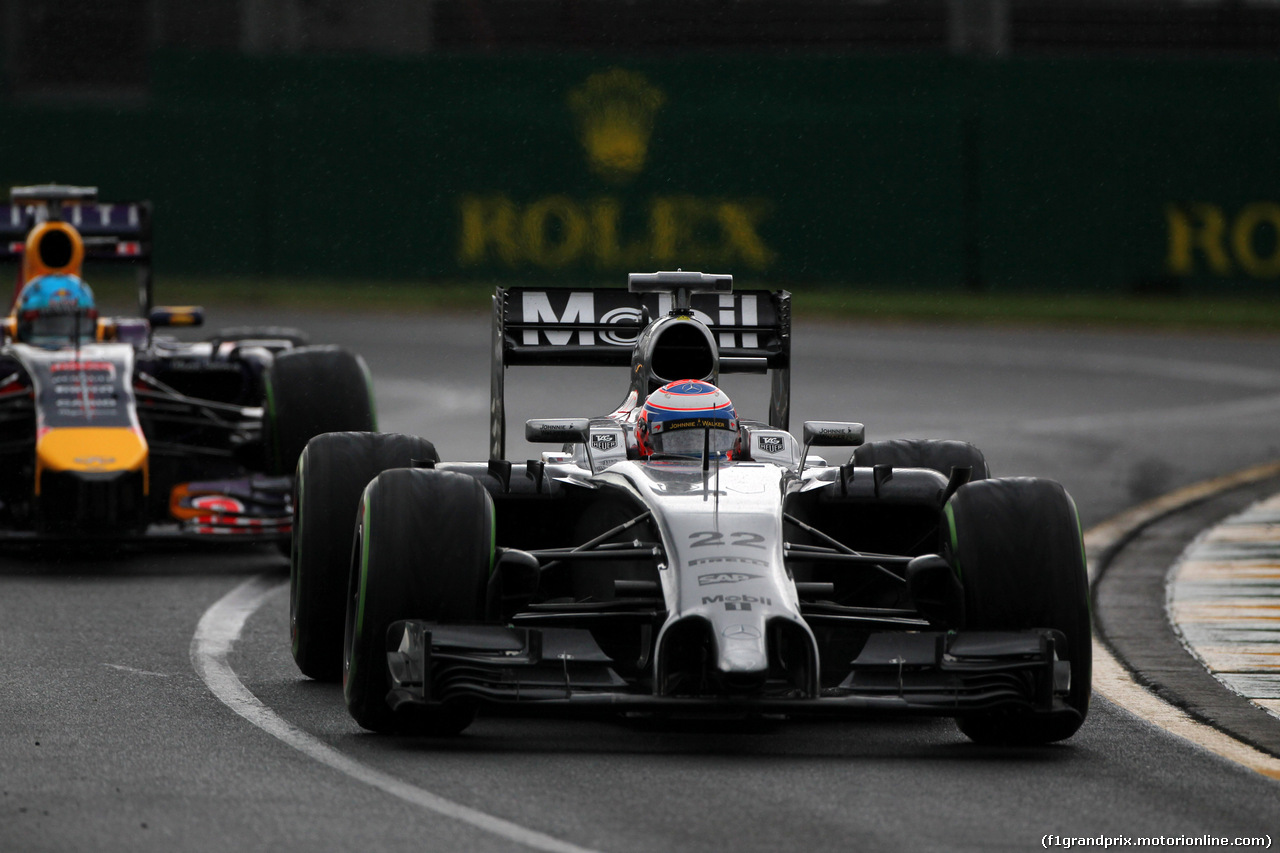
<point x="424" y="550"/>
<point x="1016" y="545"/>
<point x="332" y="472"/>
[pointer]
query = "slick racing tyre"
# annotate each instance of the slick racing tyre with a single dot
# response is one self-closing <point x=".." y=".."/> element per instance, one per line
<point x="310" y="391"/>
<point x="1016" y="546"/>
<point x="940" y="456"/>
<point x="332" y="472"/>
<point x="424" y="550"/>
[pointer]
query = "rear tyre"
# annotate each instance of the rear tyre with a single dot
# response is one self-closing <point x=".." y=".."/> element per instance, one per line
<point x="1016" y="545"/>
<point x="332" y="473"/>
<point x="424" y="550"/>
<point x="936" y="455"/>
<point x="310" y="391"/>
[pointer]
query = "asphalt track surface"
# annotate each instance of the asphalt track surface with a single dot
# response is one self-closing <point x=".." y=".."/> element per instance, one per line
<point x="113" y="741"/>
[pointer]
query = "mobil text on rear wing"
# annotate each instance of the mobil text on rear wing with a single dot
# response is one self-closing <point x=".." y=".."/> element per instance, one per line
<point x="601" y="327"/>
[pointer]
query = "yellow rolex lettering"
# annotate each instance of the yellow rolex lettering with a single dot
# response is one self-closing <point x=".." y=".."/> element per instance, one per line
<point x="558" y="232"/>
<point x="740" y="221"/>
<point x="1196" y="227"/>
<point x="664" y="229"/>
<point x="612" y="247"/>
<point x="700" y="230"/>
<point x="554" y="231"/>
<point x="605" y="242"/>
<point x="488" y="222"/>
<point x="1244" y="233"/>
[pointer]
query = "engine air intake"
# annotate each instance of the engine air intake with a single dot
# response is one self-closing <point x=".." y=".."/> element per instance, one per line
<point x="684" y="351"/>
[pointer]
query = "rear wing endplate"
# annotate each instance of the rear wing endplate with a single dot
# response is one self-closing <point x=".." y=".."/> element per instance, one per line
<point x="600" y="326"/>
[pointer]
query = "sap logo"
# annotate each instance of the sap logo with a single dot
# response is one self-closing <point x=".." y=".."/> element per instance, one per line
<point x="771" y="443"/>
<point x="604" y="441"/>
<point x="725" y="577"/>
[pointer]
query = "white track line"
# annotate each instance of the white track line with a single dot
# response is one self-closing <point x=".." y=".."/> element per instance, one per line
<point x="220" y="627"/>
<point x="1112" y="680"/>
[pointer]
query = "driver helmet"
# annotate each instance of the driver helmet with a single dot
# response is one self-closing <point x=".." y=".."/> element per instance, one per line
<point x="683" y="417"/>
<point x="56" y="310"/>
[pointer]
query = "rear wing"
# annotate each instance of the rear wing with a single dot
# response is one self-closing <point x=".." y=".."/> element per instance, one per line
<point x="117" y="232"/>
<point x="600" y="327"/>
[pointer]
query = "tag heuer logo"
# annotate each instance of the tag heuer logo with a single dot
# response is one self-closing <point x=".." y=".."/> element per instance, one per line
<point x="604" y="441"/>
<point x="771" y="443"/>
<point x="725" y="577"/>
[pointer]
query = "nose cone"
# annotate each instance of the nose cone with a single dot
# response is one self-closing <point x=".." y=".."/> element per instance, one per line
<point x="742" y="660"/>
<point x="90" y="450"/>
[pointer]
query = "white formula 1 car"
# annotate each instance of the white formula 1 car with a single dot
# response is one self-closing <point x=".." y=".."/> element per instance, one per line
<point x="745" y="578"/>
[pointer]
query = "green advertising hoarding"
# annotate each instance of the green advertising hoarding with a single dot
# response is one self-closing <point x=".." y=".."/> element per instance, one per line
<point x="1107" y="174"/>
<point x="923" y="172"/>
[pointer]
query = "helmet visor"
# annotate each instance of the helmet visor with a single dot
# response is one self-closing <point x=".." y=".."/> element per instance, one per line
<point x="57" y="329"/>
<point x="691" y="441"/>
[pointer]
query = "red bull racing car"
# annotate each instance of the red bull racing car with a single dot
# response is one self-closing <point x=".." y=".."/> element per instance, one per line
<point x="109" y="430"/>
<point x="676" y="558"/>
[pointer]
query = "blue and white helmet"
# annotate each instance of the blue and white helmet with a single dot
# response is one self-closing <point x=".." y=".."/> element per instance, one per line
<point x="683" y="417"/>
<point x="56" y="310"/>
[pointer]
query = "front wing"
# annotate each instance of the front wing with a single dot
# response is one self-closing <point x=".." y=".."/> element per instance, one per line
<point x="246" y="510"/>
<point x="927" y="672"/>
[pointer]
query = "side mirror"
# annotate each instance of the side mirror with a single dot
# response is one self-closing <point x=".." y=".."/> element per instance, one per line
<point x="556" y="430"/>
<point x="177" y="315"/>
<point x="833" y="434"/>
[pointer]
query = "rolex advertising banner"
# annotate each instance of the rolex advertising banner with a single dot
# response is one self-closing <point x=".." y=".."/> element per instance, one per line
<point x="578" y="170"/>
<point x="921" y="172"/>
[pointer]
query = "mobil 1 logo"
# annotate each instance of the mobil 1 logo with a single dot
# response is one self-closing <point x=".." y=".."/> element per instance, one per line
<point x="736" y="602"/>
